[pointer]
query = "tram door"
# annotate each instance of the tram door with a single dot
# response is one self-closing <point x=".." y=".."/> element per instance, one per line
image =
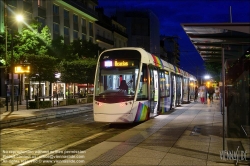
<point x="173" y="79"/>
<point x="154" y="90"/>
<point x="178" y="90"/>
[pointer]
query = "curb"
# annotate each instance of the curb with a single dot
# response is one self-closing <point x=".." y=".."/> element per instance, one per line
<point x="20" y="121"/>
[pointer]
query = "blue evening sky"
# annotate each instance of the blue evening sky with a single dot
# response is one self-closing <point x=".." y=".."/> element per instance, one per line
<point x="171" y="13"/>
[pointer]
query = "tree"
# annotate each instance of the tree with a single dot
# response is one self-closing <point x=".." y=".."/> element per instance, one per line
<point x="84" y="49"/>
<point x="60" y="50"/>
<point x="214" y="69"/>
<point x="78" y="71"/>
<point x="43" y="68"/>
<point x="33" y="42"/>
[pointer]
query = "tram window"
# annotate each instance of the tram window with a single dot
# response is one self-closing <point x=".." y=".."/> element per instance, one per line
<point x="109" y="81"/>
<point x="164" y="84"/>
<point x="167" y="84"/>
<point x="143" y="84"/>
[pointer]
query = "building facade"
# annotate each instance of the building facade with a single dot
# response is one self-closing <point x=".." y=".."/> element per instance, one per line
<point x="142" y="27"/>
<point x="72" y="19"/>
<point x="170" y="49"/>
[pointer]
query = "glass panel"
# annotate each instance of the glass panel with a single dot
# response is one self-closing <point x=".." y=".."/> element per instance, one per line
<point x="143" y="84"/>
<point x="75" y="35"/>
<point x="116" y="81"/>
<point x="56" y="9"/>
<point x="55" y="27"/>
<point x="66" y="14"/>
<point x="66" y="31"/>
<point x="83" y="37"/>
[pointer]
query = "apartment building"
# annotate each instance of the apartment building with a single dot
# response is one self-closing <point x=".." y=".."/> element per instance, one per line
<point x="171" y="49"/>
<point x="142" y="27"/>
<point x="109" y="32"/>
<point x="72" y="19"/>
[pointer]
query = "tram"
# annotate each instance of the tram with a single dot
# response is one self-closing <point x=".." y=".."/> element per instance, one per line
<point x="133" y="85"/>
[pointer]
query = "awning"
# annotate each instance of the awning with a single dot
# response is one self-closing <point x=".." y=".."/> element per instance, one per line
<point x="210" y="38"/>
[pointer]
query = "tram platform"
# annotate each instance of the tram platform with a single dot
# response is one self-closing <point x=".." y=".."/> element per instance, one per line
<point x="190" y="135"/>
<point x="23" y="115"/>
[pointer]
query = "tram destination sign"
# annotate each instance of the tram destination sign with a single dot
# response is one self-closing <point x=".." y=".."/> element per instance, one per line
<point x="118" y="63"/>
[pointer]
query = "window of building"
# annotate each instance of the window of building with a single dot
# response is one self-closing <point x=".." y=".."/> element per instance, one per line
<point x="83" y="22"/>
<point x="55" y="9"/>
<point x="90" y="29"/>
<point x="56" y="28"/>
<point x="83" y="36"/>
<point x="41" y="3"/>
<point x="91" y="39"/>
<point x="66" y="14"/>
<point x="75" y="18"/>
<point x="75" y="35"/>
<point x="42" y="21"/>
<point x="66" y="31"/>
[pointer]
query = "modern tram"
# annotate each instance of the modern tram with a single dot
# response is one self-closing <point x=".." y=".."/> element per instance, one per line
<point x="133" y="85"/>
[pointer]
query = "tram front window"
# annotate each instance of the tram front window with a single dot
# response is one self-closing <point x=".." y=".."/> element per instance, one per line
<point x="116" y="81"/>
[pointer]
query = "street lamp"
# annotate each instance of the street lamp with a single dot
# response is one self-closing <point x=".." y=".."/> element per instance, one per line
<point x="19" y="18"/>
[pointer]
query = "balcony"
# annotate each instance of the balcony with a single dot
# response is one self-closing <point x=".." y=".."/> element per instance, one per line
<point x="120" y="32"/>
<point x="82" y="7"/>
<point x="108" y="41"/>
<point x="27" y="6"/>
<point x="12" y="3"/>
<point x="41" y="12"/>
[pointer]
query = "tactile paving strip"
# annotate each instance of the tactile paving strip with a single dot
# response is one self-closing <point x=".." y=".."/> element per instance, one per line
<point x="114" y="154"/>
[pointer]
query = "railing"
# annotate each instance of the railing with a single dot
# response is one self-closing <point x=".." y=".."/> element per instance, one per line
<point x="98" y="37"/>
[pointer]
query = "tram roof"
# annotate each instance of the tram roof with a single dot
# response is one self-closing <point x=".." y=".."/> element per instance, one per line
<point x="210" y="38"/>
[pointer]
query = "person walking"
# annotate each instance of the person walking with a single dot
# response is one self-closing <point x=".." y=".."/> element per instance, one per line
<point x="202" y="96"/>
<point x="196" y="93"/>
<point x="211" y="93"/>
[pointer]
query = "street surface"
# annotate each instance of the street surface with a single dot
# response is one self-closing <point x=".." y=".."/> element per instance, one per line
<point x="51" y="141"/>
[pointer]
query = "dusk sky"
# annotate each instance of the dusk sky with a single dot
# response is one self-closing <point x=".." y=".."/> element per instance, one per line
<point x="171" y="13"/>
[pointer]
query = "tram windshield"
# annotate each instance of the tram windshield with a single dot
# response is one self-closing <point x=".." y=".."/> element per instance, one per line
<point x="116" y="78"/>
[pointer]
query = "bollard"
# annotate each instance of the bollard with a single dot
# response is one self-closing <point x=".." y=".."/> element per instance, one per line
<point x="7" y="103"/>
<point x="17" y="103"/>
<point x="27" y="102"/>
<point x="53" y="101"/>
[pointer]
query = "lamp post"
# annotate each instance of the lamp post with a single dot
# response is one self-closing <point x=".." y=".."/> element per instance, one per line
<point x="19" y="18"/>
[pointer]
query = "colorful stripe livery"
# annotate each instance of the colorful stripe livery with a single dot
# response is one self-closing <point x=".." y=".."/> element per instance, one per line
<point x="157" y="61"/>
<point x="142" y="113"/>
<point x="176" y="69"/>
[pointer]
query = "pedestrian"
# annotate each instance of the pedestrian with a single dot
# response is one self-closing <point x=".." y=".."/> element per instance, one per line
<point x="196" y="93"/>
<point x="211" y="93"/>
<point x="204" y="88"/>
<point x="202" y="96"/>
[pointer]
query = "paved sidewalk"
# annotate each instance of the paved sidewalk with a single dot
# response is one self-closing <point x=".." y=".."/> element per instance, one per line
<point x="24" y="115"/>
<point x="190" y="135"/>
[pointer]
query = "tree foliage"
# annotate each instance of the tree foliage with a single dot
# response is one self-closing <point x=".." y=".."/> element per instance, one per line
<point x="214" y="69"/>
<point x="78" y="71"/>
<point x="33" y="42"/>
<point x="76" y="62"/>
<point x="43" y="67"/>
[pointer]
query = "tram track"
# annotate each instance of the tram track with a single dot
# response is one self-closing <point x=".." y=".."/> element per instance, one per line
<point x="75" y="132"/>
